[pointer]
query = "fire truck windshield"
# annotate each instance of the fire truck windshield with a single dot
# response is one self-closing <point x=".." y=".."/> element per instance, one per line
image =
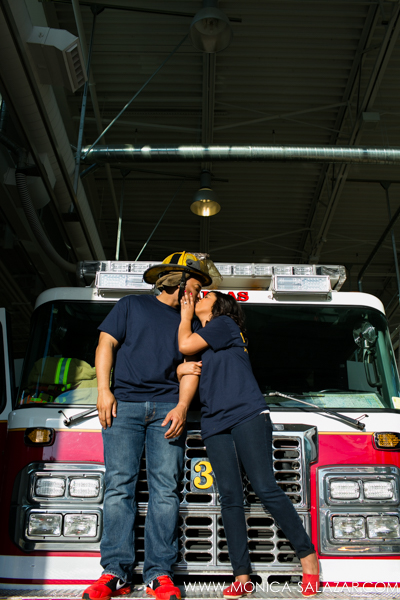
<point x="59" y="366"/>
<point x="339" y="356"/>
<point x="319" y="352"/>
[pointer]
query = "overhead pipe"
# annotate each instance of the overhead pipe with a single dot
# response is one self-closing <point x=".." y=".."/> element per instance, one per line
<point x="128" y="154"/>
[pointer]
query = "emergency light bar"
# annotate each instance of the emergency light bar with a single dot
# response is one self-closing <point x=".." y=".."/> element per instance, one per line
<point x="297" y="284"/>
<point x="280" y="278"/>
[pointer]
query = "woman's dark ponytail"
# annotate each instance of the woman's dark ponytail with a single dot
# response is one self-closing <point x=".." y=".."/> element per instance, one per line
<point x="228" y="306"/>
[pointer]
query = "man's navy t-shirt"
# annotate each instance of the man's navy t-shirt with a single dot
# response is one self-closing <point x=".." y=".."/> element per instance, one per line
<point x="148" y="355"/>
<point x="229" y="392"/>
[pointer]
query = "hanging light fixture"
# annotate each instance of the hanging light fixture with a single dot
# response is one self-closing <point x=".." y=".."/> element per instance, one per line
<point x="210" y="30"/>
<point x="205" y="203"/>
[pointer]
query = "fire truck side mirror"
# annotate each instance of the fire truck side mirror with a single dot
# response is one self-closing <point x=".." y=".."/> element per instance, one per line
<point x="365" y="335"/>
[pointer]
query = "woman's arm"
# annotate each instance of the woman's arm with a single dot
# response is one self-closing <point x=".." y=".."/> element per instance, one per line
<point x="189" y="343"/>
<point x="188" y="367"/>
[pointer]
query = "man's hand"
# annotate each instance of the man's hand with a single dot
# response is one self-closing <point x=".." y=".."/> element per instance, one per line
<point x="177" y="416"/>
<point x="107" y="407"/>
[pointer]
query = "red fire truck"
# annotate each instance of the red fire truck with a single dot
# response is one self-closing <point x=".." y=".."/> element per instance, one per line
<point x="325" y="364"/>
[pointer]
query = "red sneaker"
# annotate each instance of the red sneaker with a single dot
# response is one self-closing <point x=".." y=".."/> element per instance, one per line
<point x="237" y="590"/>
<point x="163" y="588"/>
<point x="108" y="586"/>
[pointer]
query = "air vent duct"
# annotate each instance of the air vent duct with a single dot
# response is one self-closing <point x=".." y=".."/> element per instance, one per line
<point x="58" y="57"/>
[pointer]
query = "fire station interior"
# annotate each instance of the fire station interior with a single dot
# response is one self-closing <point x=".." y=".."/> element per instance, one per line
<point x="88" y="74"/>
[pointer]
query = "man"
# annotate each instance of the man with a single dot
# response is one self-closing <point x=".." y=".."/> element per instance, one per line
<point x="138" y="346"/>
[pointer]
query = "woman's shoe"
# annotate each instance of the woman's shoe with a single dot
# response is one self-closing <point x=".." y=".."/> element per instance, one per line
<point x="237" y="590"/>
<point x="310" y="584"/>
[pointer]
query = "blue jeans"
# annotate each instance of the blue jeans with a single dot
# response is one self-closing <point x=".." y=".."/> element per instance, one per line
<point x="138" y="425"/>
<point x="251" y="444"/>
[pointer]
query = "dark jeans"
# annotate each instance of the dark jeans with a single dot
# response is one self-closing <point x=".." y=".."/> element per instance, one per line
<point x="251" y="444"/>
<point x="138" y="425"/>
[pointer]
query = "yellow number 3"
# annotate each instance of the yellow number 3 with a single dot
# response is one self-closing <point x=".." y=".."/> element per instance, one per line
<point x="206" y="474"/>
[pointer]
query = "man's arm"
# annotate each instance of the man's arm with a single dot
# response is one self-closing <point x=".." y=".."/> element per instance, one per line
<point x="106" y="402"/>
<point x="178" y="414"/>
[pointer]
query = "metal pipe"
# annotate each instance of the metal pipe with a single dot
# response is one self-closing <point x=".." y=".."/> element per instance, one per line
<point x="154" y="11"/>
<point x="83" y="108"/>
<point x="386" y="185"/>
<point x="121" y="207"/>
<point x="90" y="169"/>
<point x="128" y="154"/>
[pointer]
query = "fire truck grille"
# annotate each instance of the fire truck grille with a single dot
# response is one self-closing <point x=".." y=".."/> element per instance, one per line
<point x="288" y="465"/>
<point x="202" y="541"/>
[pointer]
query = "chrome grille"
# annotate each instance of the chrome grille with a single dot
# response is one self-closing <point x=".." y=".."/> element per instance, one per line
<point x="202" y="541"/>
<point x="288" y="464"/>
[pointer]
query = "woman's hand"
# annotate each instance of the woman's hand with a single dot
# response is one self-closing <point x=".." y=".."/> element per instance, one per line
<point x="187" y="306"/>
<point x="189" y="368"/>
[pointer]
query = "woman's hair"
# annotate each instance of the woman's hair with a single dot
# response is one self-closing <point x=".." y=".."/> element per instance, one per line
<point x="227" y="305"/>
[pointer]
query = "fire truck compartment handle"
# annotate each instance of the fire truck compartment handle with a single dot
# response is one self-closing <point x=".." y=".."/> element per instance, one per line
<point x="338" y="416"/>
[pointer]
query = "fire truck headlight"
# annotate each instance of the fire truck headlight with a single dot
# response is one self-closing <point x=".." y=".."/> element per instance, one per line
<point x="382" y="490"/>
<point x="344" y="489"/>
<point x="348" y="527"/>
<point x="50" y="487"/>
<point x="44" y="524"/>
<point x="80" y="525"/>
<point x="383" y="527"/>
<point x="84" y="487"/>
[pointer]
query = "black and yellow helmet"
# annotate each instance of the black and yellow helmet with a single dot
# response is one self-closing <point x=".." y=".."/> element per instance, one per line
<point x="184" y="262"/>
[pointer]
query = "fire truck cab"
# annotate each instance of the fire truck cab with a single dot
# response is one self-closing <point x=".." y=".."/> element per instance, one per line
<point x="325" y="364"/>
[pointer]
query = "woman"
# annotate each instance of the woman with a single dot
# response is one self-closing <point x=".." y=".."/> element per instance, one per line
<point x="236" y="425"/>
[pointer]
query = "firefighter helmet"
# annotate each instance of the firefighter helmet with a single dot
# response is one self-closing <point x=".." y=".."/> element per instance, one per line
<point x="185" y="262"/>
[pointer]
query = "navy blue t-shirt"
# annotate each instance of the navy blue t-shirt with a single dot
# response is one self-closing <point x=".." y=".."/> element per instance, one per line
<point x="229" y="392"/>
<point x="148" y="355"/>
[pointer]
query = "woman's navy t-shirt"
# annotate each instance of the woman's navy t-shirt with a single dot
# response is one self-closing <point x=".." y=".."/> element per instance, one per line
<point x="229" y="392"/>
<point x="148" y="355"/>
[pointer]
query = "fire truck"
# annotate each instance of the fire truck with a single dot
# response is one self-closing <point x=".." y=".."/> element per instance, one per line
<point x="324" y="361"/>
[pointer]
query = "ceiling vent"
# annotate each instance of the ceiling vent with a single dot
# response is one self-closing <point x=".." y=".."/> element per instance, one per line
<point x="58" y="57"/>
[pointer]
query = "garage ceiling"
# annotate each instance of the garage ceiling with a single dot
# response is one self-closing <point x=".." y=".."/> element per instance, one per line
<point x="316" y="73"/>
